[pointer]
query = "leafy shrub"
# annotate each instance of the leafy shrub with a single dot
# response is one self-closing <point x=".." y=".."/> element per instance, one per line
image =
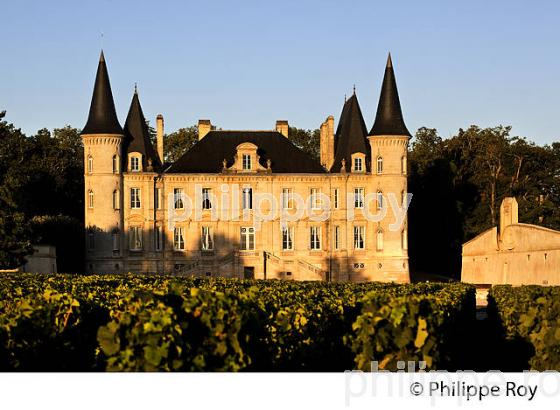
<point x="530" y="314"/>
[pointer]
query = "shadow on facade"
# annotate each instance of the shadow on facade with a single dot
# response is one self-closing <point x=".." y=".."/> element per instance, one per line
<point x="117" y="251"/>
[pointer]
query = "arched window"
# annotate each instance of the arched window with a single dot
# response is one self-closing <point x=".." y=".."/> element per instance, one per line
<point x="403" y="165"/>
<point x="116" y="199"/>
<point x="90" y="199"/>
<point x="404" y="239"/>
<point x="115" y="164"/>
<point x="379" y="198"/>
<point x="89" y="164"/>
<point x="379" y="165"/>
<point x="116" y="240"/>
<point x="379" y="239"/>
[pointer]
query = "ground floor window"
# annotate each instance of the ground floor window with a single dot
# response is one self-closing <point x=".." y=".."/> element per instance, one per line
<point x="288" y="238"/>
<point x="247" y="238"/>
<point x="135" y="237"/>
<point x="178" y="238"/>
<point x="206" y="239"/>
<point x="359" y="237"/>
<point x="315" y="238"/>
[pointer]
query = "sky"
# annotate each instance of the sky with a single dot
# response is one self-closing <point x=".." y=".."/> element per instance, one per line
<point x="246" y="64"/>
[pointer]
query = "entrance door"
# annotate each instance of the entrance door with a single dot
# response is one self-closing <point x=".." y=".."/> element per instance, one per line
<point x="248" y="272"/>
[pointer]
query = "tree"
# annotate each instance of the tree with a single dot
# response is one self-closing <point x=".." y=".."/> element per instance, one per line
<point x="179" y="142"/>
<point x="307" y="140"/>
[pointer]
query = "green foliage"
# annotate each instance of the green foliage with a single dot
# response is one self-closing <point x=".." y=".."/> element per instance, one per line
<point x="179" y="142"/>
<point x="532" y="314"/>
<point x="307" y="140"/>
<point x="147" y="323"/>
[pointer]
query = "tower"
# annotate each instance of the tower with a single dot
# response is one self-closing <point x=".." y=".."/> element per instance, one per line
<point x="103" y="137"/>
<point x="389" y="147"/>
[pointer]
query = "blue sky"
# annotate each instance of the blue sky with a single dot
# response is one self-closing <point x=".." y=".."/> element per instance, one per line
<point x="246" y="64"/>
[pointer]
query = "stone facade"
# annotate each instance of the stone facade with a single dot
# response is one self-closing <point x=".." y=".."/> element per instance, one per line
<point x="128" y="210"/>
<point x="515" y="253"/>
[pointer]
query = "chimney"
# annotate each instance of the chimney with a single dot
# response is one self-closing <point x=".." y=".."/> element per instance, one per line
<point x="327" y="142"/>
<point x="204" y="127"/>
<point x="282" y="127"/>
<point x="159" y="136"/>
<point x="508" y="213"/>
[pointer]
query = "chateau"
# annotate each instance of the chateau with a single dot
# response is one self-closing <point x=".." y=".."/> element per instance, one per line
<point x="248" y="204"/>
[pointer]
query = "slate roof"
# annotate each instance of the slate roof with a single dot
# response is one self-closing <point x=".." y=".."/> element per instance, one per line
<point x="102" y="117"/>
<point x="207" y="155"/>
<point x="137" y="136"/>
<point x="389" y="119"/>
<point x="351" y="135"/>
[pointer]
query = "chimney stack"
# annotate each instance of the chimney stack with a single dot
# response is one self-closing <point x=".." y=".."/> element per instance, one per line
<point x="327" y="142"/>
<point x="282" y="127"/>
<point x="159" y="137"/>
<point x="204" y="127"/>
<point x="508" y="213"/>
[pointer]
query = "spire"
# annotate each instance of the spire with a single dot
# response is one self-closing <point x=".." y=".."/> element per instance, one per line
<point x="351" y="134"/>
<point x="389" y="119"/>
<point x="102" y="117"/>
<point x="137" y="134"/>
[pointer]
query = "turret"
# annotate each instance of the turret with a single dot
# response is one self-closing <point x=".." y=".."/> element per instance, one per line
<point x="388" y="140"/>
<point x="103" y="137"/>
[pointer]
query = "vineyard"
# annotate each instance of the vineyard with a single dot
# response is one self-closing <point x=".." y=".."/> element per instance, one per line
<point x="147" y="323"/>
<point x="155" y="323"/>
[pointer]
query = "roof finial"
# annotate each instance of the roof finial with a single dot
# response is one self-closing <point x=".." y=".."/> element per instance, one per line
<point x="354" y="90"/>
<point x="135" y="88"/>
<point x="345" y="98"/>
<point x="389" y="61"/>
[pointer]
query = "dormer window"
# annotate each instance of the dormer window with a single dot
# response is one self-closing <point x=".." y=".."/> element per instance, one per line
<point x="135" y="164"/>
<point x="358" y="162"/>
<point x="246" y="162"/>
<point x="358" y="167"/>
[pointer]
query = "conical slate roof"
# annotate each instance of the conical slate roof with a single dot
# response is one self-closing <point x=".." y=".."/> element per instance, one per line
<point x="137" y="135"/>
<point x="389" y="119"/>
<point x="102" y="117"/>
<point x="351" y="135"/>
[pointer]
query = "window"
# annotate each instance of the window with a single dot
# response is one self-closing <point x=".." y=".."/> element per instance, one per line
<point x="379" y="239"/>
<point x="91" y="240"/>
<point x="90" y="164"/>
<point x="157" y="198"/>
<point x="336" y="237"/>
<point x="134" y="164"/>
<point x="116" y="199"/>
<point x="287" y="198"/>
<point x="314" y="198"/>
<point x="158" y="240"/>
<point x="336" y="198"/>
<point x="135" y="237"/>
<point x="90" y="199"/>
<point x="247" y="238"/>
<point x="247" y="196"/>
<point x="135" y="198"/>
<point x="115" y="164"/>
<point x="288" y="238"/>
<point x="178" y="238"/>
<point x="178" y="198"/>
<point x="358" y="197"/>
<point x="207" y="240"/>
<point x="206" y="202"/>
<point x="246" y="161"/>
<point x="315" y="238"/>
<point x="359" y="237"/>
<point x="358" y="164"/>
<point x="403" y="165"/>
<point x="404" y="239"/>
<point x="379" y="165"/>
<point x="379" y="200"/>
<point x="116" y="240"/>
